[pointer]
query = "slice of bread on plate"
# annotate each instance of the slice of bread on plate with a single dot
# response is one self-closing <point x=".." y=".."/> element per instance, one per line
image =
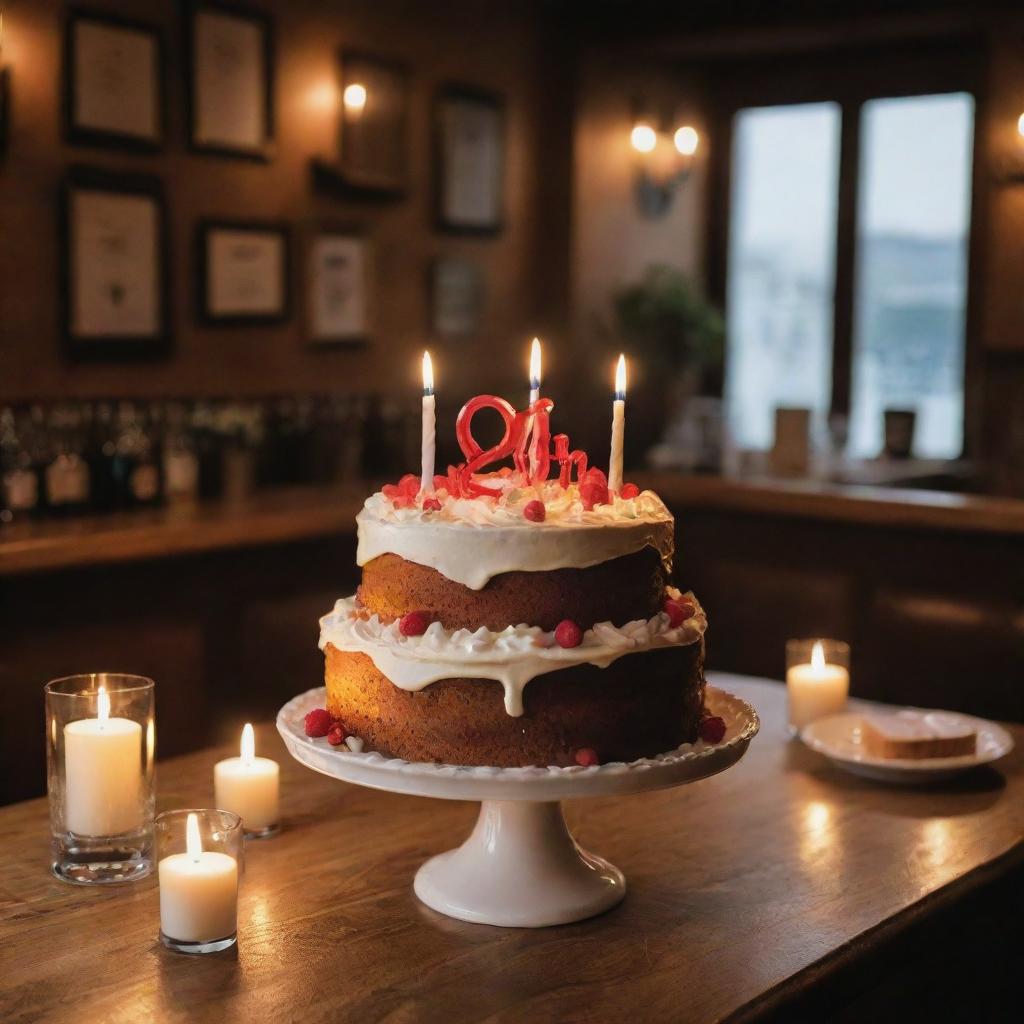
<point x="915" y="735"/>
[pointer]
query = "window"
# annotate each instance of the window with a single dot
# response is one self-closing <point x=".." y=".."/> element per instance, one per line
<point x="781" y="269"/>
<point x="845" y="250"/>
<point x="913" y="217"/>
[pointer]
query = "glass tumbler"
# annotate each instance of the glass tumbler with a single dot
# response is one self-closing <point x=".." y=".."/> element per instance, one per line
<point x="100" y="745"/>
<point x="199" y="860"/>
<point x="817" y="680"/>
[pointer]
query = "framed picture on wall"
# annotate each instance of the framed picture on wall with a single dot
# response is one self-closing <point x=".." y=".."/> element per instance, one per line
<point x="114" y="265"/>
<point x="374" y="123"/>
<point x="230" y="81"/>
<point x="469" y="158"/>
<point x="113" y="82"/>
<point x="244" y="272"/>
<point x="338" y="288"/>
<point x="458" y="297"/>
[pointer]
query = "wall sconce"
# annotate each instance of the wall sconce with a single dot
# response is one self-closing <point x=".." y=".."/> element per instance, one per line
<point x="663" y="163"/>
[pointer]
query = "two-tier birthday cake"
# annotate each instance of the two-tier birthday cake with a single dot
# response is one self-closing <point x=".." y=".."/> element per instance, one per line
<point x="507" y="619"/>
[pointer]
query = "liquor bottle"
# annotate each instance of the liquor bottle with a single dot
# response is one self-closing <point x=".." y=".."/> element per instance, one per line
<point x="102" y="458"/>
<point x="19" y="485"/>
<point x="66" y="473"/>
<point x="145" y="479"/>
<point x="180" y="459"/>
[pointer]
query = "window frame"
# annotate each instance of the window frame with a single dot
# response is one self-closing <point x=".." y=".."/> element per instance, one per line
<point x="850" y="76"/>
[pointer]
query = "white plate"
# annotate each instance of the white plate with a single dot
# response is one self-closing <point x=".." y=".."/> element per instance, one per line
<point x="690" y="762"/>
<point x="838" y="737"/>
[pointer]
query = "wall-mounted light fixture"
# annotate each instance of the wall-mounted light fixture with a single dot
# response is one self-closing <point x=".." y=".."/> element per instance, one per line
<point x="5" y="79"/>
<point x="664" y="160"/>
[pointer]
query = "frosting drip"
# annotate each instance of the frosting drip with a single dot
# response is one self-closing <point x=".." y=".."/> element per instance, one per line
<point x="512" y="657"/>
<point x="471" y="540"/>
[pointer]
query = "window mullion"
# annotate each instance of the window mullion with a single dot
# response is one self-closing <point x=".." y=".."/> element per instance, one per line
<point x="846" y="257"/>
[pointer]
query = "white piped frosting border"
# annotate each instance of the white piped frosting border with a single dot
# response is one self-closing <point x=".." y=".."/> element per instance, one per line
<point x="512" y="657"/>
<point x="473" y="540"/>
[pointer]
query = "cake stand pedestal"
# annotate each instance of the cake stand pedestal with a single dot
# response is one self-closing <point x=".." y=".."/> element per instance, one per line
<point x="520" y="866"/>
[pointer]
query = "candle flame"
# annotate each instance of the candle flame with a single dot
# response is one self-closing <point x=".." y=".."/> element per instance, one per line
<point x="428" y="375"/>
<point x="354" y="97"/>
<point x="620" y="378"/>
<point x="817" y="656"/>
<point x="193" y="841"/>
<point x="102" y="704"/>
<point x="248" y="747"/>
<point x="535" y="363"/>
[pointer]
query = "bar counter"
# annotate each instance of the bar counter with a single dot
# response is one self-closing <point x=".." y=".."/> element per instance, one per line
<point x="302" y="513"/>
<point x="780" y="889"/>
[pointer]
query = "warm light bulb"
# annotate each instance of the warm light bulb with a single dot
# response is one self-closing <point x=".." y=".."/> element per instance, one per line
<point x="354" y="98"/>
<point x="620" y="378"/>
<point x="643" y="138"/>
<point x="686" y="140"/>
<point x="248" y="748"/>
<point x="102" y="704"/>
<point x="193" y="841"/>
<point x="1020" y="125"/>
<point x="817" y="656"/>
<point x="428" y="375"/>
<point x="535" y="364"/>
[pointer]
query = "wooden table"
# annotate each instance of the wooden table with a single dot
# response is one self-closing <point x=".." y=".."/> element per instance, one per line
<point x="782" y="888"/>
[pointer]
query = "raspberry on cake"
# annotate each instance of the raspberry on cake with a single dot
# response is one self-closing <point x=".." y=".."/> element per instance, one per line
<point x="504" y="618"/>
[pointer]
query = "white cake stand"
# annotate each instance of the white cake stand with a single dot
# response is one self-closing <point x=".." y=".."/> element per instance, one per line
<point x="520" y="867"/>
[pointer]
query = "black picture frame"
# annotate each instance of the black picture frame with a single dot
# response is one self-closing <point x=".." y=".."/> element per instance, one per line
<point x="373" y="161"/>
<point x="82" y="134"/>
<point x="491" y="103"/>
<point x="262" y="150"/>
<point x="358" y="238"/>
<point x="85" y="345"/>
<point x="205" y="236"/>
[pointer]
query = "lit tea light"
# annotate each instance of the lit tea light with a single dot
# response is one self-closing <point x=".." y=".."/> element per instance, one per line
<point x="249" y="786"/>
<point x="103" y="769"/>
<point x="618" y="428"/>
<point x="198" y="892"/>
<point x="428" y="441"/>
<point x="818" y="687"/>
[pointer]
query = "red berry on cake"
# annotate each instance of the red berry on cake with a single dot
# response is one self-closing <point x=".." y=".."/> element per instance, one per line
<point x="678" y="611"/>
<point x="413" y="624"/>
<point x="431" y="505"/>
<point x="712" y="729"/>
<point x="629" y="491"/>
<point x="586" y="756"/>
<point x="336" y="736"/>
<point x="568" y="634"/>
<point x="318" y="722"/>
<point x="535" y="511"/>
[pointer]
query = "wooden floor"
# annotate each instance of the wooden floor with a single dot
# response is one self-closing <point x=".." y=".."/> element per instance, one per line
<point x="781" y="889"/>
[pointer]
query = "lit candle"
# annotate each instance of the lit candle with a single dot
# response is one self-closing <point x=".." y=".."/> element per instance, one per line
<point x="618" y="428"/>
<point x="816" y="689"/>
<point x="103" y="772"/>
<point x="534" y="371"/>
<point x="248" y="785"/>
<point x="198" y="891"/>
<point x="427" y="444"/>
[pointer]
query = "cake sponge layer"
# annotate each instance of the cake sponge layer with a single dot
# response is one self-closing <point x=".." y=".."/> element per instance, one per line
<point x="617" y="591"/>
<point x="642" y="704"/>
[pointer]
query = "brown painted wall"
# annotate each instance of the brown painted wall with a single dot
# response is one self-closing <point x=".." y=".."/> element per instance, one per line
<point x="498" y="45"/>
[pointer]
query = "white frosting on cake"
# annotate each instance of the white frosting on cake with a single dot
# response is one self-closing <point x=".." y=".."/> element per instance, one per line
<point x="512" y="657"/>
<point x="471" y="540"/>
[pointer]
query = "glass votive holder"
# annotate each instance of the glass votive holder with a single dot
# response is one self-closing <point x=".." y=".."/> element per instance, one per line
<point x="100" y="746"/>
<point x="199" y="860"/>
<point x="817" y="680"/>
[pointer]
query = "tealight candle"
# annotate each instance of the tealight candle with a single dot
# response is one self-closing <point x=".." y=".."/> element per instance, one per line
<point x="248" y="786"/>
<point x="427" y="443"/>
<point x="198" y="888"/>
<point x="818" y="686"/>
<point x="103" y="772"/>
<point x="618" y="428"/>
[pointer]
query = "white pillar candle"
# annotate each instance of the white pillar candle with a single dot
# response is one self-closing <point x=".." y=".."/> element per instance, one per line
<point x="427" y="441"/>
<point x="198" y="891"/>
<point x="815" y="690"/>
<point x="248" y="785"/>
<point x="618" y="428"/>
<point x="103" y="773"/>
